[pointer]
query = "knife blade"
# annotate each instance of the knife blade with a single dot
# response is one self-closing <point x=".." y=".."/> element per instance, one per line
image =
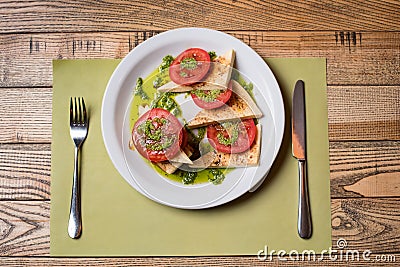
<point x="304" y="224"/>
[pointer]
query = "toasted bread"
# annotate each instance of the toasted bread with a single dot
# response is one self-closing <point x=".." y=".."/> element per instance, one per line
<point x="216" y="159"/>
<point x="240" y="105"/>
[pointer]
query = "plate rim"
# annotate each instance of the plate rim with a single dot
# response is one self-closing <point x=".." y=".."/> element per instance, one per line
<point x="120" y="74"/>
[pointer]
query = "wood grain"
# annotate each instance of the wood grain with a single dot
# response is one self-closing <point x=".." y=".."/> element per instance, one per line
<point x="359" y="39"/>
<point x="364" y="223"/>
<point x="25" y="115"/>
<point x="25" y="171"/>
<point x="357" y="169"/>
<point x="367" y="221"/>
<point x="354" y="112"/>
<point x="390" y="260"/>
<point x="24" y="228"/>
<point x="57" y="16"/>
<point x="361" y="58"/>
<point x="364" y="113"/>
<point x="369" y="169"/>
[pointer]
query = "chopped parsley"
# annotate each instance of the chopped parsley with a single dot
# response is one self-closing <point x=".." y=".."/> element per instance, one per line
<point x="139" y="89"/>
<point x="183" y="74"/>
<point x="232" y="129"/>
<point x="166" y="101"/>
<point x="158" y="81"/>
<point x="188" y="177"/>
<point x="162" y="77"/>
<point x="166" y="143"/>
<point x="188" y="63"/>
<point x="216" y="176"/>
<point x="213" y="55"/>
<point x="152" y="130"/>
<point x="207" y="95"/>
<point x="166" y="62"/>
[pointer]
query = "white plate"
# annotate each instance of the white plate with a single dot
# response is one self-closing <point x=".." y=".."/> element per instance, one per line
<point x="139" y="63"/>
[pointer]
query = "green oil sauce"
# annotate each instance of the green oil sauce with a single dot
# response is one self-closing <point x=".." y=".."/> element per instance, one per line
<point x="149" y="86"/>
<point x="248" y="86"/>
<point x="203" y="176"/>
<point x="149" y="89"/>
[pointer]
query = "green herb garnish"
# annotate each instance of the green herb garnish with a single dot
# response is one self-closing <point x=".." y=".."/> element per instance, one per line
<point x="207" y="95"/>
<point x="233" y="130"/>
<point x="216" y="176"/>
<point x="166" y="63"/>
<point x="166" y="101"/>
<point x="139" y="89"/>
<point x="213" y="55"/>
<point x="188" y="63"/>
<point x="188" y="177"/>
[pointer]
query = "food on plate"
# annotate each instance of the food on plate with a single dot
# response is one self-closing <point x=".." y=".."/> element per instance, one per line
<point x="232" y="136"/>
<point x="216" y="159"/>
<point x="240" y="105"/>
<point x="190" y="66"/>
<point x="217" y="77"/>
<point x="157" y="135"/>
<point x="211" y="99"/>
<point x="174" y="163"/>
<point x="222" y="132"/>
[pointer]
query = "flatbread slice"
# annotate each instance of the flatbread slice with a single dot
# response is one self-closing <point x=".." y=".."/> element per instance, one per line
<point x="240" y="105"/>
<point x="173" y="164"/>
<point x="216" y="159"/>
<point x="218" y="78"/>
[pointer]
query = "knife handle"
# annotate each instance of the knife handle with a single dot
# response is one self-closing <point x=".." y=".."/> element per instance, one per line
<point x="304" y="225"/>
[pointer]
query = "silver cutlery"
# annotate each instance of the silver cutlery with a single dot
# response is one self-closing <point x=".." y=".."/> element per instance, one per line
<point x="304" y="224"/>
<point x="79" y="124"/>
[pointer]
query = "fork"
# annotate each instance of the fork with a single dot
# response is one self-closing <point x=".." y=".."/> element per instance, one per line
<point x="78" y="124"/>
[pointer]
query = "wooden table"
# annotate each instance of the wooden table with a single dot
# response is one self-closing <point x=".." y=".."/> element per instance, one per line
<point x="360" y="39"/>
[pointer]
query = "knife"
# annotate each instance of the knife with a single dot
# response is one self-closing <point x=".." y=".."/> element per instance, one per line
<point x="304" y="226"/>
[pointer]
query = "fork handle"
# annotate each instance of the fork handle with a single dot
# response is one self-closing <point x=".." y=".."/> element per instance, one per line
<point x="75" y="220"/>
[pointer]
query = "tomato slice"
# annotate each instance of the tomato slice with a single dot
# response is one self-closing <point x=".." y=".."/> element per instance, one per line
<point x="207" y="99"/>
<point x="157" y="135"/>
<point x="190" y="66"/>
<point x="232" y="137"/>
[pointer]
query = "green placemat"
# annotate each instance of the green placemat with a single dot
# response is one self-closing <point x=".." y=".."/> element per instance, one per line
<point x="118" y="221"/>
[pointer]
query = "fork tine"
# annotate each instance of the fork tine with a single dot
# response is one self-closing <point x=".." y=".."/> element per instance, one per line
<point x="84" y="111"/>
<point x="76" y="111"/>
<point x="71" y="112"/>
<point x="79" y="116"/>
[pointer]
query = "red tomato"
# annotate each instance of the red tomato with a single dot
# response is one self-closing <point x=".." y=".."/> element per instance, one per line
<point x="157" y="135"/>
<point x="190" y="66"/>
<point x="219" y="101"/>
<point x="246" y="133"/>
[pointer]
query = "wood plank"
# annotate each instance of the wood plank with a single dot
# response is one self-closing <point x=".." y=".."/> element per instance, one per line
<point x="25" y="115"/>
<point x="367" y="223"/>
<point x="372" y="224"/>
<point x="25" y="228"/>
<point x="358" y="169"/>
<point x="362" y="112"/>
<point x="365" y="169"/>
<point x="354" y="113"/>
<point x="57" y="16"/>
<point x="25" y="171"/>
<point x="376" y="259"/>
<point x="362" y="58"/>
